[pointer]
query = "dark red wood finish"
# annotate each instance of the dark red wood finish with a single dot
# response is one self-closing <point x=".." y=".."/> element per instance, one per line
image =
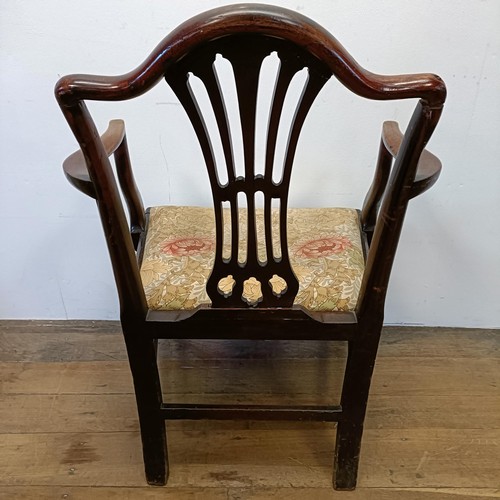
<point x="245" y="34"/>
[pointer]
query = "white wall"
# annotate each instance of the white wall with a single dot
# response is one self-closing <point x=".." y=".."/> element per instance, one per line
<point x="53" y="262"/>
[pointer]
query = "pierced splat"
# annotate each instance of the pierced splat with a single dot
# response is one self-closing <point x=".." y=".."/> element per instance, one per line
<point x="249" y="192"/>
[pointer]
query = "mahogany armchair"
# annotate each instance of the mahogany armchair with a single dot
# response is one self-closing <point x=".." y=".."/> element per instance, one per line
<point x="240" y="270"/>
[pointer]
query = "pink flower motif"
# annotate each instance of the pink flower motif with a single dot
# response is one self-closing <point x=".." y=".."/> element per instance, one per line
<point x="323" y="247"/>
<point x="188" y="246"/>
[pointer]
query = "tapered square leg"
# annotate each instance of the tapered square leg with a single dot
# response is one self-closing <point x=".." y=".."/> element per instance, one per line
<point x="154" y="449"/>
<point x="142" y="358"/>
<point x="357" y="378"/>
<point x="346" y="459"/>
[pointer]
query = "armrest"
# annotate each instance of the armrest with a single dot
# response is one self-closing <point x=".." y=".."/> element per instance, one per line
<point x="428" y="168"/>
<point x="75" y="167"/>
<point x="114" y="142"/>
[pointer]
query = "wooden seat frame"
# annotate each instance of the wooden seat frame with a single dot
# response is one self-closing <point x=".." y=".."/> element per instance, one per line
<point x="245" y="34"/>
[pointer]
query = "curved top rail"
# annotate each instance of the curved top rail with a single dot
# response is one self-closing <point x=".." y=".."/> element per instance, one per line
<point x="252" y="18"/>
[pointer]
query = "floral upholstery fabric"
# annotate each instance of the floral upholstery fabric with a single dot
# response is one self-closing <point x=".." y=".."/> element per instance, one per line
<point x="324" y="247"/>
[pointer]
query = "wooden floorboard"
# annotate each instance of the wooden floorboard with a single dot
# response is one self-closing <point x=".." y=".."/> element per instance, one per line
<point x="68" y="422"/>
<point x="139" y="493"/>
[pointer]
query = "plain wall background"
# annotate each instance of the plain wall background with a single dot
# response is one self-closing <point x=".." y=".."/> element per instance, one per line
<point x="53" y="261"/>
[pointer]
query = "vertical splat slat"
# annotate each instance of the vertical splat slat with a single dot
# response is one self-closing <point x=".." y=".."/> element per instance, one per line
<point x="285" y="75"/>
<point x="309" y="93"/>
<point x="181" y="87"/>
<point x="246" y="74"/>
<point x="311" y="90"/>
<point x="184" y="94"/>
<point x="212" y="84"/>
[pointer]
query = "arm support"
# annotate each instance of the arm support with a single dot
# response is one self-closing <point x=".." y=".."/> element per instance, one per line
<point x="428" y="168"/>
<point x="75" y="168"/>
<point x="114" y="141"/>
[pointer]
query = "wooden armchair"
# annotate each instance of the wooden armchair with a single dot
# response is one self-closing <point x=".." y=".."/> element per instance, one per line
<point x="245" y="270"/>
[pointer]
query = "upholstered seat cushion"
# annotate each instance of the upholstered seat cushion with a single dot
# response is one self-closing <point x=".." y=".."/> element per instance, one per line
<point x="324" y="246"/>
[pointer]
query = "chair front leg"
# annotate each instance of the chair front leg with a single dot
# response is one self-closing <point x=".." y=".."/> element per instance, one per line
<point x="355" y="390"/>
<point x="143" y="364"/>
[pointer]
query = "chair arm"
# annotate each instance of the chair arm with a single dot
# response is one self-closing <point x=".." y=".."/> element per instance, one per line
<point x="75" y="168"/>
<point x="114" y="141"/>
<point x="428" y="168"/>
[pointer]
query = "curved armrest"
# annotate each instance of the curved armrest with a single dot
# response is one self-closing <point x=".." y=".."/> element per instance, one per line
<point x="75" y="167"/>
<point x="428" y="168"/>
<point x="114" y="142"/>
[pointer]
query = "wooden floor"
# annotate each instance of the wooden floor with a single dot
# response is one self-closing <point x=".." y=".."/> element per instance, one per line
<point x="68" y="423"/>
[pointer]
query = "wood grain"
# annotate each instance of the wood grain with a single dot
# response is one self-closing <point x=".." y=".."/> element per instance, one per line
<point x="256" y="458"/>
<point x="113" y="493"/>
<point x="133" y="493"/>
<point x="109" y="412"/>
<point x="70" y="427"/>
<point x="102" y="340"/>
<point x="393" y="376"/>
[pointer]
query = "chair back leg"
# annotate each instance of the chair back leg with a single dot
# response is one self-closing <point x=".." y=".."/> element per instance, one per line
<point x="355" y="390"/>
<point x="144" y="367"/>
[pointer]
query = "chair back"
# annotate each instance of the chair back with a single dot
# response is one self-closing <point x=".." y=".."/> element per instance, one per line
<point x="245" y="35"/>
<point x="239" y="255"/>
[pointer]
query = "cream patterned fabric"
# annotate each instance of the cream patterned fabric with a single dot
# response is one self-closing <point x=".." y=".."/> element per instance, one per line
<point x="324" y="246"/>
